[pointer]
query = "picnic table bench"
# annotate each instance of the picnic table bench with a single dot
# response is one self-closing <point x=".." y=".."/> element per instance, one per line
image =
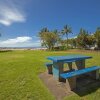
<point x="72" y="76"/>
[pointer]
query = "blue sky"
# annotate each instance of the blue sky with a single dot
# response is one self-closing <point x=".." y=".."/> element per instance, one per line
<point x="21" y="20"/>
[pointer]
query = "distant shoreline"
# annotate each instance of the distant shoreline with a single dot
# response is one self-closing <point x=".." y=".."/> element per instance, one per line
<point x="23" y="48"/>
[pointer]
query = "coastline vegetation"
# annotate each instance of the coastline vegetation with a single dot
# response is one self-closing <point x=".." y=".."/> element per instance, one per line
<point x="84" y="40"/>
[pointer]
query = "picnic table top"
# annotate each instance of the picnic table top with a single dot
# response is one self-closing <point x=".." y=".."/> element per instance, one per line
<point x="68" y="58"/>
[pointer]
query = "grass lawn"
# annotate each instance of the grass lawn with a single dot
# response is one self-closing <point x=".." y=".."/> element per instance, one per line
<point x="19" y="75"/>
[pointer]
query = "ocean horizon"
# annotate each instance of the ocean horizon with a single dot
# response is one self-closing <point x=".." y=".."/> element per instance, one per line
<point x="22" y="47"/>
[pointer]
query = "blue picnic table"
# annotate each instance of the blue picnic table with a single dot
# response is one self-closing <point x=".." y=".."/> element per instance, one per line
<point x="58" y="62"/>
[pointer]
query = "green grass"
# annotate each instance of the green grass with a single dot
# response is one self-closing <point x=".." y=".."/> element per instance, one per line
<point x="19" y="72"/>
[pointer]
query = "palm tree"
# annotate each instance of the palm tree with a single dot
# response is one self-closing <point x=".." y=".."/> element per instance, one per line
<point x="67" y="30"/>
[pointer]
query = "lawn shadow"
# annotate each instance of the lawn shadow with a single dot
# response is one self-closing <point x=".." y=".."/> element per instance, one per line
<point x="3" y="51"/>
<point x="86" y="86"/>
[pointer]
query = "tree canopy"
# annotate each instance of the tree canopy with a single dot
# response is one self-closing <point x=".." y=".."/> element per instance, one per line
<point x="97" y="36"/>
<point x="48" y="38"/>
<point x="84" y="39"/>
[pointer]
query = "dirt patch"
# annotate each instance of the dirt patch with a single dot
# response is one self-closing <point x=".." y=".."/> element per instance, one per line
<point x="58" y="89"/>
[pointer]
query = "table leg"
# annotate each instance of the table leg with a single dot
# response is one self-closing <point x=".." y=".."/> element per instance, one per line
<point x="57" y="69"/>
<point x="80" y="64"/>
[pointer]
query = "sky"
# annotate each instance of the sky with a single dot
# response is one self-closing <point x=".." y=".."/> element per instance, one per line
<point x="21" y="20"/>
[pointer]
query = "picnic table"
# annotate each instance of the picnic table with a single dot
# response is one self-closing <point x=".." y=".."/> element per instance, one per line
<point x="58" y="62"/>
<point x="57" y="69"/>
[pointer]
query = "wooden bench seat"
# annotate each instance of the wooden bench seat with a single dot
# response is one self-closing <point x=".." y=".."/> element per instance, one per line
<point x="71" y="76"/>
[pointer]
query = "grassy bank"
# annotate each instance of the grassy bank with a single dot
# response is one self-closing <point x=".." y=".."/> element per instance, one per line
<point x="19" y="75"/>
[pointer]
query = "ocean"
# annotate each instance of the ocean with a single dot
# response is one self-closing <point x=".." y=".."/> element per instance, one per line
<point x="28" y="48"/>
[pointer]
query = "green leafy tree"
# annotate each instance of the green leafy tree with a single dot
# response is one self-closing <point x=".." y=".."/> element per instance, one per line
<point x="73" y="42"/>
<point x="97" y="36"/>
<point x="48" y="39"/>
<point x="64" y="42"/>
<point x="57" y="33"/>
<point x="90" y="40"/>
<point x="66" y="30"/>
<point x="82" y="38"/>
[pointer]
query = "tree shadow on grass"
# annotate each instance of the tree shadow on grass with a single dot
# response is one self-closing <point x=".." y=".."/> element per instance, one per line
<point x="86" y="86"/>
<point x="3" y="51"/>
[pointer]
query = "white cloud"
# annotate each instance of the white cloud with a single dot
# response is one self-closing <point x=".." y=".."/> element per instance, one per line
<point x="10" y="13"/>
<point x="15" y="41"/>
<point x="24" y="41"/>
